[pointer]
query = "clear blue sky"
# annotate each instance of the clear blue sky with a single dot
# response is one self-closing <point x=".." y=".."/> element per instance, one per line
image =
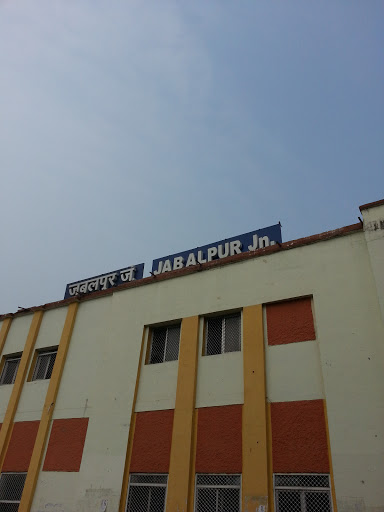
<point x="135" y="129"/>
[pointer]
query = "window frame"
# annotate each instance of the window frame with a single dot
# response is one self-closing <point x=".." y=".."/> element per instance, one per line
<point x="39" y="355"/>
<point x="143" y="484"/>
<point x="301" y="489"/>
<point x="13" y="473"/>
<point x="223" y="317"/>
<point x="201" y="486"/>
<point x="150" y="341"/>
<point x="7" y="359"/>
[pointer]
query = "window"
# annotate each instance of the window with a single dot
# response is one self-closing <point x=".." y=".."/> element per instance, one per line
<point x="11" y="489"/>
<point x="146" y="493"/>
<point x="217" y="493"/>
<point x="302" y="493"/>
<point x="164" y="344"/>
<point x="44" y="365"/>
<point x="11" y="365"/>
<point x="222" y="334"/>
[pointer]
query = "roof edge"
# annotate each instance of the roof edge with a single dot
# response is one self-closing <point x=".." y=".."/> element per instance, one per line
<point x="293" y="244"/>
<point x="380" y="202"/>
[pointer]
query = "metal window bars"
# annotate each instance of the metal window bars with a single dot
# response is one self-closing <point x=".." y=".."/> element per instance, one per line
<point x="11" y="365"/>
<point x="218" y="493"/>
<point x="223" y="334"/>
<point x="165" y="344"/>
<point x="146" y="493"/>
<point x="302" y="493"/>
<point x="11" y="489"/>
<point x="44" y="365"/>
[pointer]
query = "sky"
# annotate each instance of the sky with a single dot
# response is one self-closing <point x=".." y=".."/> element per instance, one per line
<point x="131" y="129"/>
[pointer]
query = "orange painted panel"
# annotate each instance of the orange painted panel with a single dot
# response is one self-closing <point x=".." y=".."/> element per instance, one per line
<point x="66" y="445"/>
<point x="152" y="442"/>
<point x="219" y="433"/>
<point x="290" y="321"/>
<point x="21" y="445"/>
<point x="299" y="437"/>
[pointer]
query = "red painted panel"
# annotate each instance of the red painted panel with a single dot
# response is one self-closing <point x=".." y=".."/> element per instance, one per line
<point x="152" y="442"/>
<point x="21" y="445"/>
<point x="299" y="437"/>
<point x="290" y="321"/>
<point x="219" y="439"/>
<point x="66" y="445"/>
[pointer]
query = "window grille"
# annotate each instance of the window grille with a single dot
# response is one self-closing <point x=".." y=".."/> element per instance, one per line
<point x="146" y="493"/>
<point x="11" y="365"/>
<point x="222" y="334"/>
<point x="218" y="493"/>
<point x="165" y="344"/>
<point x="11" y="489"/>
<point x="302" y="493"/>
<point x="44" y="365"/>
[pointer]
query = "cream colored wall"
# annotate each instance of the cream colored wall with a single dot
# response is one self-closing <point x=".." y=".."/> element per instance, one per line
<point x="33" y="393"/>
<point x="51" y="328"/>
<point x="54" y="493"/>
<point x="17" y="336"/>
<point x="213" y="387"/>
<point x="99" y="376"/>
<point x="157" y="389"/>
<point x="32" y="401"/>
<point x="157" y="385"/>
<point x="98" y="382"/>
<point x="374" y="235"/>
<point x="288" y="379"/>
<point x="220" y="380"/>
<point x="349" y="333"/>
<point x="5" y="394"/>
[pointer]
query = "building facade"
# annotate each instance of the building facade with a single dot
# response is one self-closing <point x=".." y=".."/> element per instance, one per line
<point x="250" y="383"/>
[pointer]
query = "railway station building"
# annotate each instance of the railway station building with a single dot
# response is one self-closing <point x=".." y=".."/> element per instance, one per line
<point x="249" y="382"/>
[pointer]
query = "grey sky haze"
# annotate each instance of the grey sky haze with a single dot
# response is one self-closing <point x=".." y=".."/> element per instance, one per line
<point x="135" y="129"/>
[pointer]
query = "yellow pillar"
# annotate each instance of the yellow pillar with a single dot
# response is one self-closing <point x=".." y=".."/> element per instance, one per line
<point x="49" y="405"/>
<point x="255" y="454"/>
<point x="271" y="500"/>
<point x="333" y="492"/>
<point x="191" y="498"/>
<point x="4" y="332"/>
<point x="6" y="429"/>
<point x="132" y="425"/>
<point x="183" y="432"/>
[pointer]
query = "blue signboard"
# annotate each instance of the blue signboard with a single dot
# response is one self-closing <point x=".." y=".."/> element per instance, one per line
<point x="104" y="281"/>
<point x="243" y="243"/>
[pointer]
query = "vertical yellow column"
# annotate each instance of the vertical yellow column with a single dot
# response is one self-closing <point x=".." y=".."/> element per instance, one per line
<point x="182" y="434"/>
<point x="191" y="498"/>
<point x="333" y="492"/>
<point x="132" y="425"/>
<point x="255" y="455"/>
<point x="49" y="405"/>
<point x="271" y="501"/>
<point x="4" y="332"/>
<point x="6" y="429"/>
